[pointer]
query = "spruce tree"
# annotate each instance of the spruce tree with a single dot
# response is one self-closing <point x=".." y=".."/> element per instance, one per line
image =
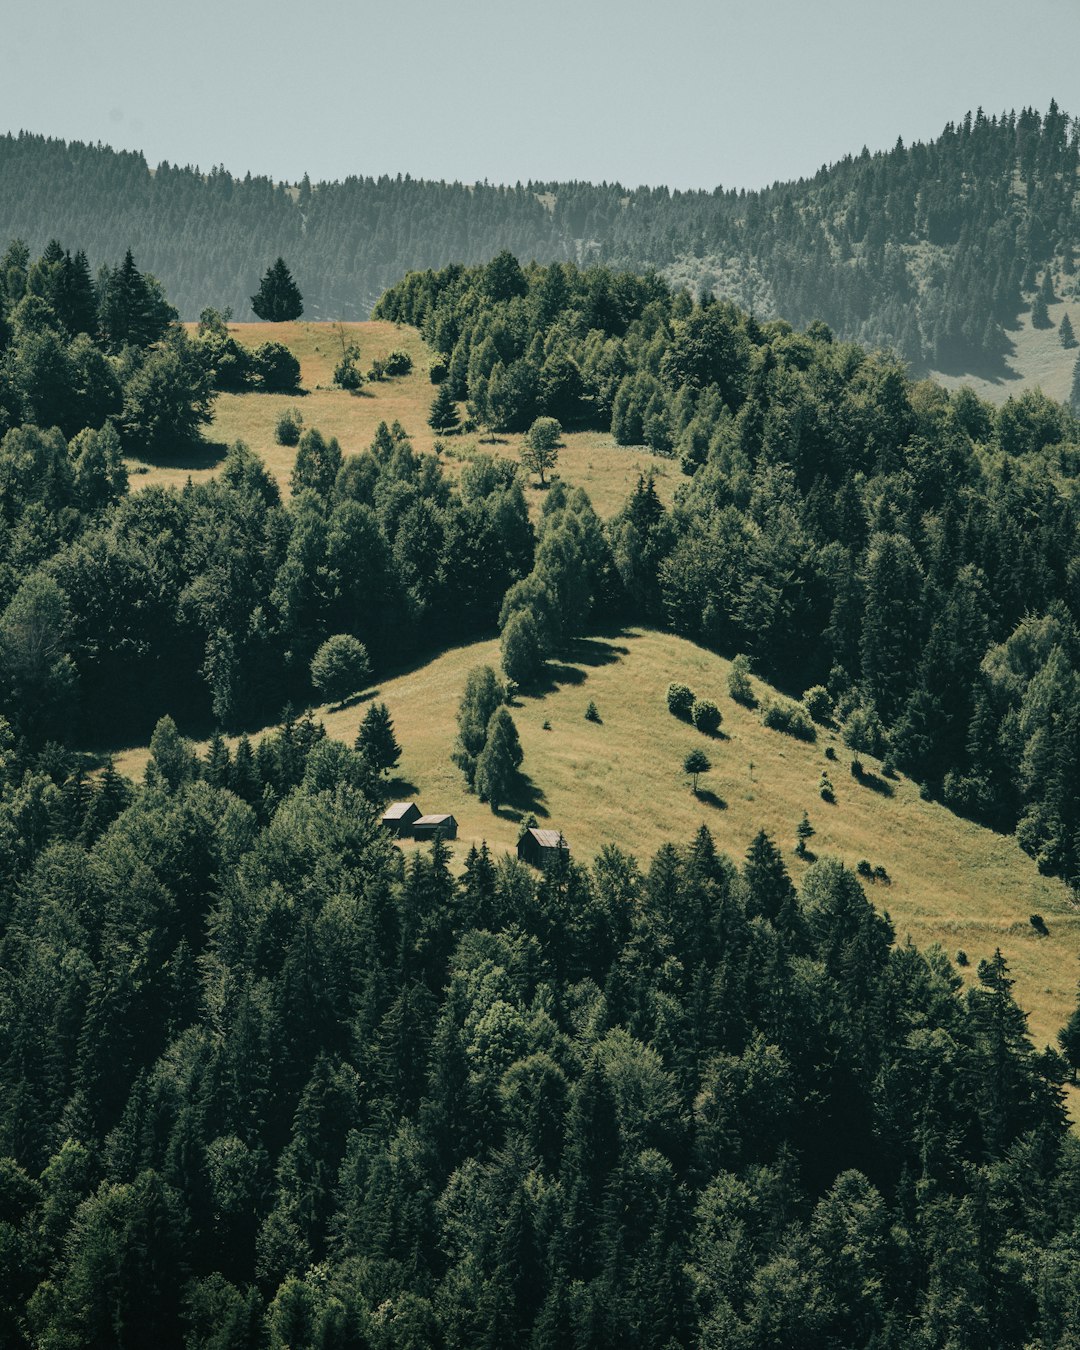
<point x="278" y="298"/>
<point x="1066" y="336"/>
<point x="497" y="764"/>
<point x="444" y="413"/>
<point x="1074" y="392"/>
<point x="376" y="740"/>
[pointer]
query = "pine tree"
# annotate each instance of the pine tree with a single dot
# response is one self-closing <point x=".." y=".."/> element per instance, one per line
<point x="375" y="739"/>
<point x="1066" y="336"/>
<point x="444" y="414"/>
<point x="804" y="832"/>
<point x="497" y="764"/>
<point x="278" y="298"/>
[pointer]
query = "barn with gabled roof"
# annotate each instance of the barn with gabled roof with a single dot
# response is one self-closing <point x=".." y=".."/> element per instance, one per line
<point x="541" y="848"/>
<point x="399" y="817"/>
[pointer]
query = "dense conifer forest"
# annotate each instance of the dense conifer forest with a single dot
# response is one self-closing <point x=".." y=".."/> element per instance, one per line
<point x="931" y="249"/>
<point x="264" y="1082"/>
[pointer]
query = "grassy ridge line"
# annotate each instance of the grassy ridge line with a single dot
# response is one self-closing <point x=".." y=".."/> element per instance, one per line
<point x="620" y="782"/>
<point x="588" y="459"/>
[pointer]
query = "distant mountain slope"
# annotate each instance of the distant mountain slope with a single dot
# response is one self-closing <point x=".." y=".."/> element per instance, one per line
<point x="934" y="249"/>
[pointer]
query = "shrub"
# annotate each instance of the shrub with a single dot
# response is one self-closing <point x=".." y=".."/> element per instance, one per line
<point x="398" y="363"/>
<point x="1039" y="924"/>
<point x="818" y="703"/>
<point x="863" y="731"/>
<point x="437" y="372"/>
<point x="377" y="371"/>
<point x="592" y="713"/>
<point x="347" y="374"/>
<point x="680" y="700"/>
<point x="881" y="875"/>
<point x="276" y="367"/>
<point x="856" y="768"/>
<point x="962" y="957"/>
<point x="863" y="868"/>
<point x="830" y="753"/>
<point x="289" y="426"/>
<point x="706" y="716"/>
<point x="520" y="647"/>
<point x="825" y="787"/>
<point x="790" y="718"/>
<point x="739" y="686"/>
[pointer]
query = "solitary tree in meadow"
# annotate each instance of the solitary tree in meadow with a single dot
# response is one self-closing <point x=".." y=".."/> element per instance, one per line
<point x="278" y="298"/>
<point x="444" y="414"/>
<point x="696" y="762"/>
<point x="376" y="740"/>
<point x="540" y="450"/>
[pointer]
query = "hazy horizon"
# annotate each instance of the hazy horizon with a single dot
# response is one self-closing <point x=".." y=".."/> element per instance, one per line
<point x="715" y="96"/>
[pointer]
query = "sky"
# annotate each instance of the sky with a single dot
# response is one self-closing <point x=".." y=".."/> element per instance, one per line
<point x="686" y="93"/>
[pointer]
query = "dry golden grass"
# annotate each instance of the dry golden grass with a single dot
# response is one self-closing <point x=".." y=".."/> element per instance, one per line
<point x="621" y="783"/>
<point x="590" y="460"/>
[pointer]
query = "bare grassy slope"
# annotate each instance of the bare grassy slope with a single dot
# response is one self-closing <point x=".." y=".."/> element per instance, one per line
<point x="588" y="459"/>
<point x="621" y="782"/>
<point x="1038" y="361"/>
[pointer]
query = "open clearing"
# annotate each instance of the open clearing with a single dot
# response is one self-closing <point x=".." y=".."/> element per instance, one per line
<point x="620" y="782"/>
<point x="587" y="459"/>
<point x="1038" y="361"/>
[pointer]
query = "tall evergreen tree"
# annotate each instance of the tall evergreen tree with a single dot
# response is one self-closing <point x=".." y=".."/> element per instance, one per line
<point x="278" y="298"/>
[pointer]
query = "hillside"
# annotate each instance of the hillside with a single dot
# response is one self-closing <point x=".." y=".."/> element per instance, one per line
<point x="933" y="249"/>
<point x="620" y="783"/>
<point x="587" y="459"/>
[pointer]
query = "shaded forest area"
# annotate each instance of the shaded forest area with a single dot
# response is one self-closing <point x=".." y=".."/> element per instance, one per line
<point x="932" y="249"/>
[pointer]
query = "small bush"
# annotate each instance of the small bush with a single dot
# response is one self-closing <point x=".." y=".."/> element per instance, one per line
<point x="1039" y="924"/>
<point x="856" y="768"/>
<point x="437" y="372"/>
<point x="830" y="753"/>
<point x="377" y="372"/>
<point x="962" y="957"/>
<point x="739" y="686"/>
<point x="863" y="868"/>
<point x="347" y="374"/>
<point x="863" y="731"/>
<point x="680" y="700"/>
<point x="289" y="426"/>
<point x="706" y="716"/>
<point x="398" y="363"/>
<point x="592" y="713"/>
<point x="818" y="703"/>
<point x="790" y="718"/>
<point x="881" y="875"/>
<point x="825" y="787"/>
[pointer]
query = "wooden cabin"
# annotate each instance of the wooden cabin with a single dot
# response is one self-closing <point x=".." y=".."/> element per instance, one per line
<point x="427" y="827"/>
<point x="399" y="817"/>
<point x="540" y="848"/>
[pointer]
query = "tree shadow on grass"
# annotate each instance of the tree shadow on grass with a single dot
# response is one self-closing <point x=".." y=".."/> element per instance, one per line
<point x="397" y="789"/>
<point x="551" y="675"/>
<point x="593" y="652"/>
<point x="710" y="798"/>
<point x="353" y="701"/>
<point x="200" y="455"/>
<point x="524" y="799"/>
<point x="874" y="783"/>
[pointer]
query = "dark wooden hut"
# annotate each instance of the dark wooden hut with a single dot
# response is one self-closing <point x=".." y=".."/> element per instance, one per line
<point x="540" y="848"/>
<point x="427" y="827"/>
<point x="399" y="817"/>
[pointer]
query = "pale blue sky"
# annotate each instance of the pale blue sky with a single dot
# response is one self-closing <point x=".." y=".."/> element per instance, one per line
<point x="681" y="92"/>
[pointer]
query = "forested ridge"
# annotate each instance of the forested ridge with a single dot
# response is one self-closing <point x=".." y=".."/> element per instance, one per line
<point x="265" y="1083"/>
<point x="932" y="249"/>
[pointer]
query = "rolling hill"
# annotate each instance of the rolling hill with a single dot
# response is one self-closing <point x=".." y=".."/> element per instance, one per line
<point x="934" y="249"/>
<point x="620" y="782"/>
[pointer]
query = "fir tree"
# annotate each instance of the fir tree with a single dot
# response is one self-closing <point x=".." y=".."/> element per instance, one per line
<point x="375" y="739"/>
<point x="444" y="414"/>
<point x="1066" y="336"/>
<point x="278" y="298"/>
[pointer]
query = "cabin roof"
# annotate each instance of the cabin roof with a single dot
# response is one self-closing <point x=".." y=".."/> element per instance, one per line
<point x="398" y="809"/>
<point x="549" y="838"/>
<point x="433" y="820"/>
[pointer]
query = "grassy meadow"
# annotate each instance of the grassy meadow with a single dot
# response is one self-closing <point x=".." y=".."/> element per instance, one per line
<point x="1038" y="361"/>
<point x="621" y="782"/>
<point x="588" y="459"/>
